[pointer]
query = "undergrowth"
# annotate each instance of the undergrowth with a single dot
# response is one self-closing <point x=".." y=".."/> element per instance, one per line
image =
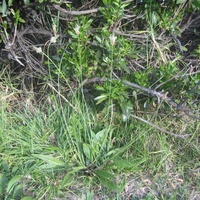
<point x="106" y="108"/>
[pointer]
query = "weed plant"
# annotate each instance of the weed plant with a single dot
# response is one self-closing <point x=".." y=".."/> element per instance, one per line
<point x="91" y="136"/>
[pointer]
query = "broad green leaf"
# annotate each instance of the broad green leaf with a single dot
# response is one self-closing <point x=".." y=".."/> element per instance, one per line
<point x="50" y="160"/>
<point x="103" y="174"/>
<point x="196" y="4"/>
<point x="126" y="164"/>
<point x="70" y="174"/>
<point x="100" y="136"/>
<point x="99" y="87"/>
<point x="49" y="167"/>
<point x="3" y="182"/>
<point x="180" y="1"/>
<point x="12" y="183"/>
<point x="17" y="191"/>
<point x="26" y="2"/>
<point x="10" y="3"/>
<point x="109" y="184"/>
<point x="98" y="39"/>
<point x="27" y="198"/>
<point x="87" y="150"/>
<point x="118" y="151"/>
<point x="80" y="152"/>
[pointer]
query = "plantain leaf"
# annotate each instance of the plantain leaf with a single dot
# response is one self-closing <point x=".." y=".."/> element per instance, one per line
<point x="51" y="160"/>
<point x="69" y="175"/>
<point x="103" y="174"/>
<point x="109" y="184"/>
<point x="27" y="198"/>
<point x="12" y="183"/>
<point x="3" y="182"/>
<point x="126" y="164"/>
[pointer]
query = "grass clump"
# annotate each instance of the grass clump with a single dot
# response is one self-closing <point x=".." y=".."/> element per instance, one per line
<point x="105" y="106"/>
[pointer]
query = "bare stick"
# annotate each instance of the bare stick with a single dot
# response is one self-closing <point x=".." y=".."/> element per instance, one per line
<point x="77" y="13"/>
<point x="83" y="12"/>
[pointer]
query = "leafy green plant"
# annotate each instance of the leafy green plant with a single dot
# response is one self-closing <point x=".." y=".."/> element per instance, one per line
<point x="113" y="10"/>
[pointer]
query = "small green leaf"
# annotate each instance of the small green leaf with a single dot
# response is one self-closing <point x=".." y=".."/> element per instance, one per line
<point x="26" y="2"/>
<point x="98" y="39"/>
<point x="10" y="3"/>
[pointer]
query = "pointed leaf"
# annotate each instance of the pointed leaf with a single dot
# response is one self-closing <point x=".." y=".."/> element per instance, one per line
<point x="126" y="164"/>
<point x="3" y="182"/>
<point x="103" y="174"/>
<point x="4" y="8"/>
<point x="100" y="98"/>
<point x="51" y="160"/>
<point x="27" y="198"/>
<point x="109" y="184"/>
<point x="69" y="174"/>
<point x="12" y="183"/>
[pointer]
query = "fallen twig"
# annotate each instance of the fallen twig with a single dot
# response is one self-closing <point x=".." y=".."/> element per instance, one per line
<point x="77" y="13"/>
